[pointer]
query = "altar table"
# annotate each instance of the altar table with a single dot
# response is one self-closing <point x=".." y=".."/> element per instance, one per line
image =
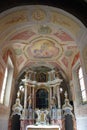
<point x="43" y="127"/>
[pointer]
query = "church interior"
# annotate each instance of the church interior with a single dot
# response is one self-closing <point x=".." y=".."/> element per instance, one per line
<point x="43" y="65"/>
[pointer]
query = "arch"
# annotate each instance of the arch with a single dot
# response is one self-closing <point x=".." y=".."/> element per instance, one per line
<point x="8" y="51"/>
<point x="19" y="17"/>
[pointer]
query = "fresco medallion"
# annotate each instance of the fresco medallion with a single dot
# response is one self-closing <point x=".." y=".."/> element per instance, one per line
<point x="43" y="48"/>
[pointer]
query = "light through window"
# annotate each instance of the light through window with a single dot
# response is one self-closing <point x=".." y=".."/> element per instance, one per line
<point x="7" y="83"/>
<point x="82" y="85"/>
<point x="4" y="86"/>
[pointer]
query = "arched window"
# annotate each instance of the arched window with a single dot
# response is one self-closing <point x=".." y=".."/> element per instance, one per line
<point x="7" y="82"/>
<point x="4" y="86"/>
<point x="82" y="85"/>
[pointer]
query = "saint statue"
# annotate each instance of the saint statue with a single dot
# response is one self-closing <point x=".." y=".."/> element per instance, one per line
<point x="67" y="108"/>
<point x="17" y="107"/>
<point x="29" y="102"/>
<point x="53" y="102"/>
<point x="16" y="114"/>
<point x="30" y="110"/>
<point x="53" y="111"/>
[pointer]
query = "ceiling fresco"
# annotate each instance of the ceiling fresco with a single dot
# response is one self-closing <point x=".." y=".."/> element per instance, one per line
<point x="37" y="15"/>
<point x="40" y="34"/>
<point x="43" y="48"/>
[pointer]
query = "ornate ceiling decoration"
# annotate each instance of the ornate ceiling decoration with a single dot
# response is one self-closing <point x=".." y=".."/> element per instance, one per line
<point x="40" y="34"/>
<point x="43" y="48"/>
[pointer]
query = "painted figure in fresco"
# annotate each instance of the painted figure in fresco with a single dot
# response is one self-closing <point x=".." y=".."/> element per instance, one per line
<point x="43" y="51"/>
<point x="46" y="49"/>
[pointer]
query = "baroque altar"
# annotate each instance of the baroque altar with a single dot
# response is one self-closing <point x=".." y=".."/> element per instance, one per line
<point x="42" y="105"/>
<point x="41" y="100"/>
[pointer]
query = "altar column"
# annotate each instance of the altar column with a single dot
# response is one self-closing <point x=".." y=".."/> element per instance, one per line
<point x="50" y="94"/>
<point x="33" y="96"/>
<point x="34" y="76"/>
<point x="30" y="90"/>
<point x="58" y="96"/>
<point x="53" y="90"/>
<point x="53" y="74"/>
<point x="49" y="75"/>
<point x="25" y="94"/>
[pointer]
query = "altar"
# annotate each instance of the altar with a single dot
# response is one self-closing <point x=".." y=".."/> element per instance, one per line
<point x="41" y="107"/>
<point x="43" y="127"/>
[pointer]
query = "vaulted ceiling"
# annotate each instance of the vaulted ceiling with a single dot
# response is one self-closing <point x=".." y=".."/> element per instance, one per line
<point x="40" y="35"/>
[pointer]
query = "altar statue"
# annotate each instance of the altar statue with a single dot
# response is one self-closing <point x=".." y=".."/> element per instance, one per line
<point x="16" y="114"/>
<point x="53" y="102"/>
<point x="29" y="102"/>
<point x="30" y="109"/>
<point x="67" y="108"/>
<point x="53" y="111"/>
<point x="68" y="115"/>
<point x="17" y="108"/>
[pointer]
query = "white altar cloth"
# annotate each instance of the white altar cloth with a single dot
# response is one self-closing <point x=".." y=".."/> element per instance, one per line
<point x="43" y="127"/>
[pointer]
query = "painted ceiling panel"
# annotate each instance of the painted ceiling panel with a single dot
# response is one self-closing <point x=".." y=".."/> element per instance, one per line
<point x="65" y="21"/>
<point x="43" y="48"/>
<point x="63" y="36"/>
<point x="25" y="35"/>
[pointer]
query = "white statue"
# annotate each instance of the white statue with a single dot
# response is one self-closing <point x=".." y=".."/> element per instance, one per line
<point x="29" y="102"/>
<point x="67" y="108"/>
<point x="17" y="108"/>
